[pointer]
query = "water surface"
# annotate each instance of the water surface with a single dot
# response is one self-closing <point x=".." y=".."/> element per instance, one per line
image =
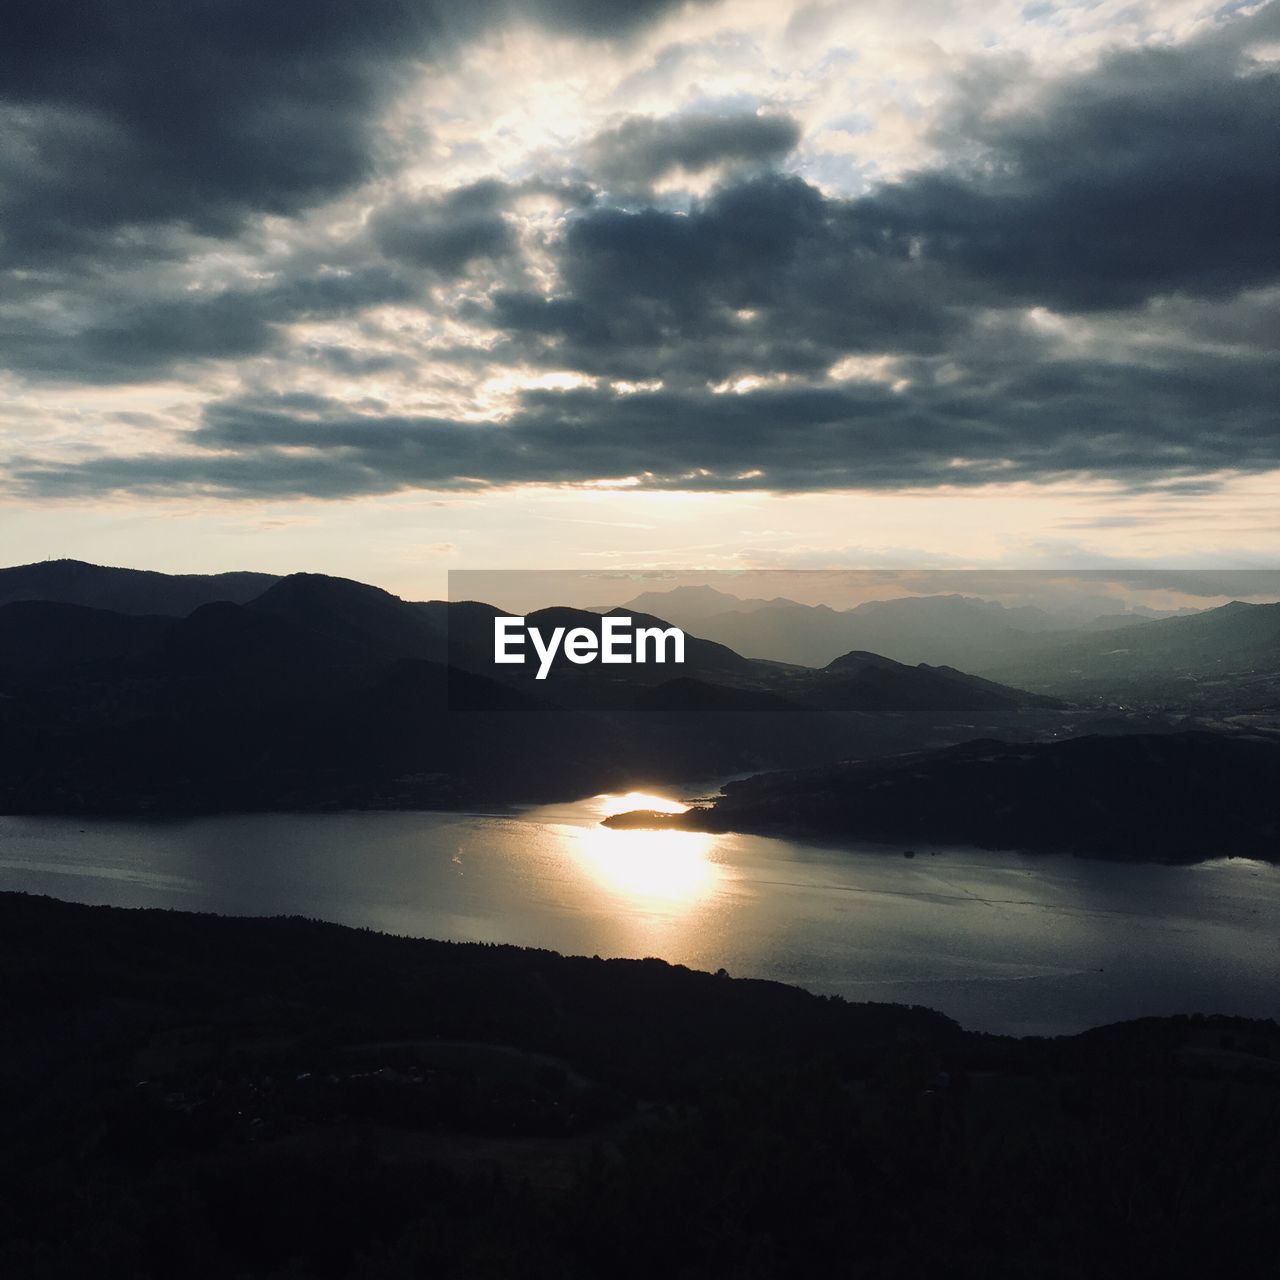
<point x="1001" y="942"/>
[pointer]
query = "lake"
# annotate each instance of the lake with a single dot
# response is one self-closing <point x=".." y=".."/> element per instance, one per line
<point x="999" y="941"/>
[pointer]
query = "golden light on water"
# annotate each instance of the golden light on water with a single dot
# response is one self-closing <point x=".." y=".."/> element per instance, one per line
<point x="654" y="869"/>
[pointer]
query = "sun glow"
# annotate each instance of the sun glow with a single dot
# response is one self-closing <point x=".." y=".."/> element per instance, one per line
<point x="627" y="802"/>
<point x="657" y="870"/>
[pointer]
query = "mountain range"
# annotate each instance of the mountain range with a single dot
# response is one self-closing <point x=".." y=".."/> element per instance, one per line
<point x="127" y="590"/>
<point x="320" y="691"/>
<point x="246" y="691"/>
<point x="956" y="630"/>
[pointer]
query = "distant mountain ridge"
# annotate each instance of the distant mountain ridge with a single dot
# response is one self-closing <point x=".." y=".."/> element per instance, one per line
<point x="689" y="605"/>
<point x="1234" y="638"/>
<point x="138" y="591"/>
<point x="952" y="630"/>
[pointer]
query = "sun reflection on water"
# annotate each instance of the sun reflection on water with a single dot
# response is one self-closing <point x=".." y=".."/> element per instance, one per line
<point x="655" y="869"/>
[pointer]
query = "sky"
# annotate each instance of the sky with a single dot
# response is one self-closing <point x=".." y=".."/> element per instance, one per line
<point x="392" y="289"/>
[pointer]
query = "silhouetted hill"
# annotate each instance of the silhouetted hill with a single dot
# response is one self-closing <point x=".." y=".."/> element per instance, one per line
<point x="224" y="637"/>
<point x="1170" y="797"/>
<point x="874" y="684"/>
<point x="204" y="1097"/>
<point x="686" y="693"/>
<point x="126" y="590"/>
<point x="354" y="614"/>
<point x="468" y="624"/>
<point x="37" y="635"/>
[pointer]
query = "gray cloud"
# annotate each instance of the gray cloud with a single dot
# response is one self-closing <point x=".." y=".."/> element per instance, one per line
<point x="118" y="341"/>
<point x="661" y="293"/>
<point x="1049" y="420"/>
<point x="449" y="233"/>
<point x="1153" y="174"/>
<point x="1142" y="195"/>
<point x="641" y="149"/>
<point x="127" y="115"/>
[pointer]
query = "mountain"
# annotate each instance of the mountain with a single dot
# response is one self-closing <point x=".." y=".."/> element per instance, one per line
<point x="691" y="606"/>
<point x="1139" y="614"/>
<point x="126" y="590"/>
<point x="1219" y="662"/>
<point x="806" y="635"/>
<point x="1176" y="797"/>
<point x="36" y="635"/>
<point x="942" y="630"/>
<point x="871" y="683"/>
<point x="365" y="618"/>
<point x="1169" y="654"/>
<point x="323" y="692"/>
<point x="950" y="630"/>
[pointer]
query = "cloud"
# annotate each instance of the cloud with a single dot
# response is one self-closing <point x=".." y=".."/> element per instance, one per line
<point x="640" y="150"/>
<point x="765" y="276"/>
<point x="449" y="233"/>
<point x="1153" y="174"/>
<point x="1083" y="285"/>
<point x="1047" y="421"/>
<point x="109" y="339"/>
<point x="118" y="116"/>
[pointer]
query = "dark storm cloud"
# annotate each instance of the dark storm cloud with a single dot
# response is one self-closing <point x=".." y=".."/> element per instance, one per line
<point x="641" y="149"/>
<point x="662" y="293"/>
<point x="204" y="111"/>
<point x="1154" y="174"/>
<point x="1143" y="425"/>
<point x="98" y="333"/>
<point x="1143" y="194"/>
<point x="449" y="233"/>
<point x="120" y="341"/>
<point x="194" y="112"/>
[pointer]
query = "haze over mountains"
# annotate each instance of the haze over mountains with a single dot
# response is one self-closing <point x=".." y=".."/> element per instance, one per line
<point x="1235" y="640"/>
<point x="959" y="630"/>
<point x="1223" y="660"/>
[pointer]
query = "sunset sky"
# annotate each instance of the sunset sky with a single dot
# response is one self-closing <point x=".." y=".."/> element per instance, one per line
<point x="393" y="288"/>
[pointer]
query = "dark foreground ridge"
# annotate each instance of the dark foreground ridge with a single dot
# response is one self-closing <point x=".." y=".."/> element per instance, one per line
<point x="1179" y="797"/>
<point x="198" y="1096"/>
